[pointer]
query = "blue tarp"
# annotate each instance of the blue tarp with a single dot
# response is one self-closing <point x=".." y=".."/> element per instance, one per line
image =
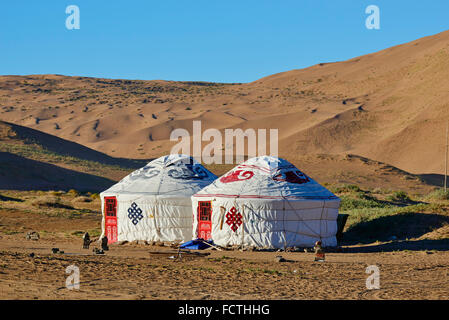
<point x="197" y="244"/>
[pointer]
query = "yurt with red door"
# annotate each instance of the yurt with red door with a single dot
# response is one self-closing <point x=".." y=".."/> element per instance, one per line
<point x="153" y="203"/>
<point x="266" y="202"/>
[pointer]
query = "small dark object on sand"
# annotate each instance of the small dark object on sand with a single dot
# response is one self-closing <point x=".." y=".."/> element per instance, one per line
<point x="32" y="254"/>
<point x="55" y="250"/>
<point x="104" y="243"/>
<point x="319" y="252"/>
<point x="280" y="259"/>
<point x="98" y="251"/>
<point x="86" y="241"/>
<point x="32" y="235"/>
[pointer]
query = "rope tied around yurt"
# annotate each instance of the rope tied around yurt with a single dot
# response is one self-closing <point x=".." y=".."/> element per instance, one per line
<point x="302" y="220"/>
<point x="243" y="215"/>
<point x="321" y="219"/>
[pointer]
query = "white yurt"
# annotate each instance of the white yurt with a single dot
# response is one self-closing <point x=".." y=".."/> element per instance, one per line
<point x="266" y="202"/>
<point x="154" y="203"/>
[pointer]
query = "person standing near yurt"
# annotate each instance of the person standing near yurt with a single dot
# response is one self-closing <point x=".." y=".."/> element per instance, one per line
<point x="266" y="202"/>
<point x="153" y="203"/>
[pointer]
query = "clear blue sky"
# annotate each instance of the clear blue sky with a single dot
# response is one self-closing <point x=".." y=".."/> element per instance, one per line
<point x="202" y="40"/>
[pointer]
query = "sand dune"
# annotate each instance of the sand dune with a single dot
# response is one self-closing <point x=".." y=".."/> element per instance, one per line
<point x="19" y="135"/>
<point x="31" y="159"/>
<point x="391" y="106"/>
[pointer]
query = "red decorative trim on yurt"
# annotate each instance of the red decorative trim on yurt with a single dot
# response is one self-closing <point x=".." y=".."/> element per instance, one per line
<point x="264" y="197"/>
<point x="237" y="176"/>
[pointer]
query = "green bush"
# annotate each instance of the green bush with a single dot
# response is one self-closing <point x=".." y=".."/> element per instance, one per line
<point x="420" y="208"/>
<point x="73" y="192"/>
<point x="82" y="199"/>
<point x="439" y="194"/>
<point x="400" y="196"/>
<point x="346" y="188"/>
<point x="348" y="203"/>
<point x="95" y="196"/>
<point x="51" y="202"/>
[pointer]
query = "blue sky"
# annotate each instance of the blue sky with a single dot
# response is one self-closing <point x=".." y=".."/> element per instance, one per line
<point x="202" y="40"/>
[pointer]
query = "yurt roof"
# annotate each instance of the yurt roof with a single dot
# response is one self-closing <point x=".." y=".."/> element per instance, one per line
<point x="266" y="177"/>
<point x="177" y="175"/>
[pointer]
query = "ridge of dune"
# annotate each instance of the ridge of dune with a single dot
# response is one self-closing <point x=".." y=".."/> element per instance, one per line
<point x="391" y="106"/>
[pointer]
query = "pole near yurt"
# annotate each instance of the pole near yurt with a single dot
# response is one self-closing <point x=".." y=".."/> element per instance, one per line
<point x="222" y="211"/>
<point x="243" y="228"/>
<point x="445" y="163"/>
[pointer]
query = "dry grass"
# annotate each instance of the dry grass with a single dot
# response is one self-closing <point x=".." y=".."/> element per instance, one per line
<point x="51" y="202"/>
<point x="389" y="215"/>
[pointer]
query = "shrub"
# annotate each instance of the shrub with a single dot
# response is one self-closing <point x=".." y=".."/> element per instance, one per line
<point x="401" y="196"/>
<point x="420" y="208"/>
<point x="56" y="193"/>
<point x="94" y="232"/>
<point x="82" y="199"/>
<point x="73" y="192"/>
<point x="95" y="196"/>
<point x="439" y="194"/>
<point x="346" y="188"/>
<point x="51" y="202"/>
<point x="348" y="203"/>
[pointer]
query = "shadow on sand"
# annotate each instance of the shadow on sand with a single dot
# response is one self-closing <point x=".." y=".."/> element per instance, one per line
<point x="412" y="245"/>
<point x="436" y="180"/>
<point x="18" y="173"/>
<point x="396" y="231"/>
<point x="5" y="198"/>
<point x="72" y="149"/>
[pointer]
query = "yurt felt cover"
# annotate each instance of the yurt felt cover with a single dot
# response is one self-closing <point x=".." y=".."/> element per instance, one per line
<point x="268" y="202"/>
<point x="154" y="202"/>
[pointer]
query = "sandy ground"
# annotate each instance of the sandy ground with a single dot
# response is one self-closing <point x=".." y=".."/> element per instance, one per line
<point x="134" y="271"/>
<point x="409" y="269"/>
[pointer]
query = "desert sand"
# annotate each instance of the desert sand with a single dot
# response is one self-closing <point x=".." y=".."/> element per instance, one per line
<point x="414" y="266"/>
<point x="130" y="272"/>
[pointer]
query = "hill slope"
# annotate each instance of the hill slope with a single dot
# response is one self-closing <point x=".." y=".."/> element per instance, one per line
<point x="31" y="160"/>
<point x="18" y="173"/>
<point x="11" y="133"/>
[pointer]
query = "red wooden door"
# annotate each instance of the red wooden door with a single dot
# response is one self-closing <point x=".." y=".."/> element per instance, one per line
<point x="204" y="220"/>
<point x="110" y="207"/>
